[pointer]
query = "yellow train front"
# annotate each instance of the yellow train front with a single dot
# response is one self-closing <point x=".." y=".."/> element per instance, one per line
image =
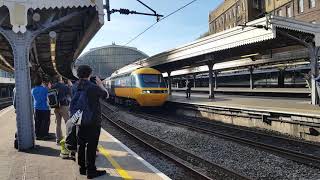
<point x="145" y="87"/>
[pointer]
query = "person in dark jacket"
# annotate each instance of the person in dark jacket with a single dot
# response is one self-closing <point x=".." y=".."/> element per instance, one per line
<point x="188" y="90"/>
<point x="62" y="111"/>
<point x="88" y="136"/>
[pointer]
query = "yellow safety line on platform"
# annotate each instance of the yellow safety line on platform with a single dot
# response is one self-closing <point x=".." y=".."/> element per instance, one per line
<point x="123" y="173"/>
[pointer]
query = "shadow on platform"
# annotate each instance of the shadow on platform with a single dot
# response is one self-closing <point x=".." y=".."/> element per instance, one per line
<point x="44" y="151"/>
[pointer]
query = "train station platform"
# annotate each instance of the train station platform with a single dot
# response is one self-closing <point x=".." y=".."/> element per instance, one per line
<point x="294" y="106"/>
<point x="43" y="162"/>
<point x="294" y="116"/>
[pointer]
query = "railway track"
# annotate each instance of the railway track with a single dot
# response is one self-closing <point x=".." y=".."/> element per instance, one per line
<point x="304" y="152"/>
<point x="5" y="102"/>
<point x="200" y="168"/>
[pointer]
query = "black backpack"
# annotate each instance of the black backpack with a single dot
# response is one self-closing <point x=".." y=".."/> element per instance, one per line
<point x="53" y="98"/>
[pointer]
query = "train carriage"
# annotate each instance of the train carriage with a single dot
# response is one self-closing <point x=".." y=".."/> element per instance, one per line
<point x="144" y="86"/>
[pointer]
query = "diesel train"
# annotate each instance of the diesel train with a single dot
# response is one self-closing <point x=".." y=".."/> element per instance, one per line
<point x="144" y="87"/>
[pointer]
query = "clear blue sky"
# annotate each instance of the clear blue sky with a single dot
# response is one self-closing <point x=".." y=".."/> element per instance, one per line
<point x="180" y="28"/>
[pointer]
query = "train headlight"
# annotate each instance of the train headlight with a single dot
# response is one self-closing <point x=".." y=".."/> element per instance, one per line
<point x="146" y="92"/>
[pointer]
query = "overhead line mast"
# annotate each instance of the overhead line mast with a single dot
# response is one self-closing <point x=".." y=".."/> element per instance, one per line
<point x="127" y="11"/>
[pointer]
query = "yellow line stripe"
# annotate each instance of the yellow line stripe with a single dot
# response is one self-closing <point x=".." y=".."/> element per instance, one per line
<point x="123" y="173"/>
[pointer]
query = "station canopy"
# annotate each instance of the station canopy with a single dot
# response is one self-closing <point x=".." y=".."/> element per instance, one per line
<point x="71" y="24"/>
<point x="257" y="37"/>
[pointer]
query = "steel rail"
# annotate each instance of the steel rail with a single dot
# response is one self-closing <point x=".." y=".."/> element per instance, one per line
<point x="5" y="102"/>
<point x="182" y="157"/>
<point x="289" y="154"/>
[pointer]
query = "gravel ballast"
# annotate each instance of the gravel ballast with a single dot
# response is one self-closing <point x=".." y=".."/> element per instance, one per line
<point x="242" y="159"/>
<point x="161" y="163"/>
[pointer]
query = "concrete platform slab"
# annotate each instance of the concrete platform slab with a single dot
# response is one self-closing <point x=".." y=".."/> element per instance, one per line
<point x="43" y="162"/>
<point x="248" y="90"/>
<point x="293" y="106"/>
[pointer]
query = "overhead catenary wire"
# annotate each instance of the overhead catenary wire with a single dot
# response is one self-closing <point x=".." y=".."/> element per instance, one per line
<point x="131" y="40"/>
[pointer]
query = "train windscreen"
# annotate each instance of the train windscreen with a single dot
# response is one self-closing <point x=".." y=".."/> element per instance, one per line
<point x="152" y="80"/>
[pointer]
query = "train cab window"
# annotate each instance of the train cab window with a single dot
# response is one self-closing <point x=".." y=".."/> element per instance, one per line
<point x="128" y="81"/>
<point x="151" y="80"/>
<point x="117" y="82"/>
<point x="133" y="81"/>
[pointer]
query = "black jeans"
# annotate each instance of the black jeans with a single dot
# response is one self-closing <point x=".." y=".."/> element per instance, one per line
<point x="42" y="122"/>
<point x="88" y="139"/>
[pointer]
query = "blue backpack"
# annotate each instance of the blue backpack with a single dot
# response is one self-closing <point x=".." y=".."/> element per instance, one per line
<point x="80" y="105"/>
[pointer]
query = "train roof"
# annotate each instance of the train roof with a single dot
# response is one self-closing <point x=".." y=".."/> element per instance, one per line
<point x="135" y="71"/>
<point x="146" y="71"/>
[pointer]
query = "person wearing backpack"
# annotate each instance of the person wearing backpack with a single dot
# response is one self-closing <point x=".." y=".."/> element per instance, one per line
<point x="62" y="108"/>
<point x="85" y="101"/>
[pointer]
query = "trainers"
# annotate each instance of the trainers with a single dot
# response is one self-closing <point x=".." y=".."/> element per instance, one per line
<point x="64" y="153"/>
<point x="83" y="171"/>
<point x="48" y="137"/>
<point x="72" y="156"/>
<point x="96" y="173"/>
<point x="40" y="138"/>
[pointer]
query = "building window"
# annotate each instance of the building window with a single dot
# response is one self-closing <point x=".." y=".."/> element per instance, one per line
<point x="300" y="6"/>
<point x="234" y="12"/>
<point x="269" y="2"/>
<point x="238" y="8"/>
<point x="289" y="11"/>
<point x="312" y="3"/>
<point x="279" y="12"/>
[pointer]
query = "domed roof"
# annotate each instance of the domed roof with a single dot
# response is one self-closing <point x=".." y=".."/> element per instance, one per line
<point x="107" y="59"/>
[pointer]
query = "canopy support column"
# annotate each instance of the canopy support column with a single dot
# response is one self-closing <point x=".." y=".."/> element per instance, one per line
<point x="251" y="78"/>
<point x="216" y="79"/>
<point x="281" y="78"/>
<point x="169" y="83"/>
<point x="315" y="89"/>
<point x="21" y="44"/>
<point x="194" y="80"/>
<point x="211" y="87"/>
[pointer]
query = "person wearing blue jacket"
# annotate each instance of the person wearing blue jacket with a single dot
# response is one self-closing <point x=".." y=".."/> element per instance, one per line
<point x="41" y="110"/>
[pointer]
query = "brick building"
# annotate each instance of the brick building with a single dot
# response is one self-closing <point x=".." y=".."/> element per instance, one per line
<point x="234" y="12"/>
<point x="304" y="10"/>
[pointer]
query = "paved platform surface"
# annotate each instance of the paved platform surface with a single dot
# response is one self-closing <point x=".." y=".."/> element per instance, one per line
<point x="292" y="106"/>
<point x="44" y="163"/>
<point x="248" y="90"/>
